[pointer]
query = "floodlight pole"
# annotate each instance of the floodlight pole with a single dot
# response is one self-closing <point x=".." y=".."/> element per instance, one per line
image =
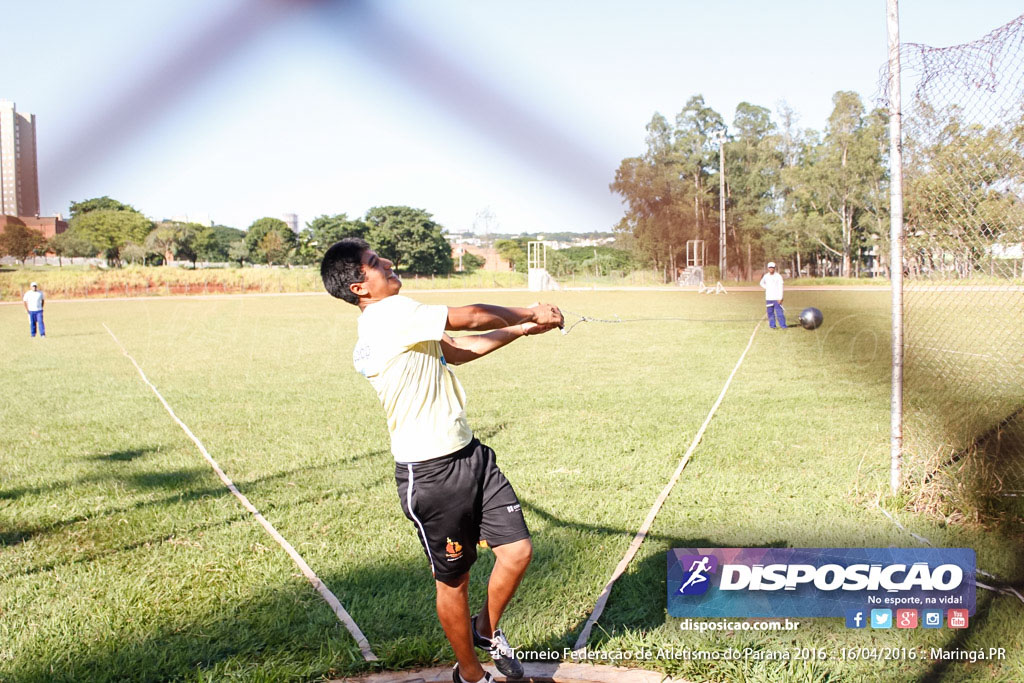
<point x="896" y="237"/>
<point x="721" y="204"/>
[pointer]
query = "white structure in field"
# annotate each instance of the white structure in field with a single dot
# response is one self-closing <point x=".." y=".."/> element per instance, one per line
<point x="537" y="267"/>
<point x="696" y="254"/>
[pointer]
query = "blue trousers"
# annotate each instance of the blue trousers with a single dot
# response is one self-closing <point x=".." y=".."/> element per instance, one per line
<point x="36" y="318"/>
<point x="775" y="310"/>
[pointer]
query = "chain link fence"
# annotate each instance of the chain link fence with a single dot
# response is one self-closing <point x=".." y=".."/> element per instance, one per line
<point x="963" y="292"/>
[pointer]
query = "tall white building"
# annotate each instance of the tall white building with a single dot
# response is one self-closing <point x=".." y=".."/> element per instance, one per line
<point x="292" y="220"/>
<point x="19" y="179"/>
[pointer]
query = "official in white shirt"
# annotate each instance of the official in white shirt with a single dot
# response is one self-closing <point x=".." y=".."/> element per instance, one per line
<point x="34" y="302"/>
<point x="771" y="283"/>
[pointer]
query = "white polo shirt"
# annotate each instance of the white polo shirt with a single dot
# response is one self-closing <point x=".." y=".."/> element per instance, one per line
<point x="772" y="284"/>
<point x="399" y="351"/>
<point x="34" y="299"/>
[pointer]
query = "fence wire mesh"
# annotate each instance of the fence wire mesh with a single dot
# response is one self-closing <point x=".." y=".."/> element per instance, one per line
<point x="963" y="166"/>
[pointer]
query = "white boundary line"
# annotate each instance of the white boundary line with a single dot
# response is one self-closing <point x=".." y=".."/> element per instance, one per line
<point x="595" y="614"/>
<point x="325" y="593"/>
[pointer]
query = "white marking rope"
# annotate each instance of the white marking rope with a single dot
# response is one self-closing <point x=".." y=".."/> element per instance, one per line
<point x="595" y="614"/>
<point x="617" y="320"/>
<point x="325" y="593"/>
<point x="1009" y="590"/>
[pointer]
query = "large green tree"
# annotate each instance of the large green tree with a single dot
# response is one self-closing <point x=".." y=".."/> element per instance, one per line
<point x="513" y="251"/>
<point x="753" y="161"/>
<point x="20" y="241"/>
<point x="237" y="251"/>
<point x="273" y="248"/>
<point x="325" y="230"/>
<point x="667" y="191"/>
<point x="111" y="229"/>
<point x="410" y="239"/>
<point x="103" y="203"/>
<point x="656" y="194"/>
<point x="963" y="186"/>
<point x="471" y="262"/>
<point x="695" y="147"/>
<point x="843" y="172"/>
<point x="171" y="240"/>
<point x="259" y="229"/>
<point x="791" y="233"/>
<point x="70" y="244"/>
<point x="213" y="243"/>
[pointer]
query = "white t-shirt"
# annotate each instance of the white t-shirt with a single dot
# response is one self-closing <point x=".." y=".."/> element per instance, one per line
<point x="34" y="299"/>
<point x="399" y="351"/>
<point x="772" y="284"/>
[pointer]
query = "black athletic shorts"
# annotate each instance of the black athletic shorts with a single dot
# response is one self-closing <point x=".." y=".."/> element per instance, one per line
<point x="455" y="501"/>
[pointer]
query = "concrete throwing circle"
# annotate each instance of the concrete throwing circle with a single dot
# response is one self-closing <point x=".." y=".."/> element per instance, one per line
<point x="534" y="672"/>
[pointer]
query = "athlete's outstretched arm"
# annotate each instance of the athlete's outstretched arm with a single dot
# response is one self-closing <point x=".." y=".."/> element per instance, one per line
<point x="489" y="317"/>
<point x="469" y="347"/>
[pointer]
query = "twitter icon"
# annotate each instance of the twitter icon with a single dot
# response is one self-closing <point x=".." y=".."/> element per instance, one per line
<point x="881" y="618"/>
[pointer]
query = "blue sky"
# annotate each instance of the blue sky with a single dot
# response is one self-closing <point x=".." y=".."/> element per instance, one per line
<point x="241" y="109"/>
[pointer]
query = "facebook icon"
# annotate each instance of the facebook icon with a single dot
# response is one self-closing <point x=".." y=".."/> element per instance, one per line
<point x="856" y="618"/>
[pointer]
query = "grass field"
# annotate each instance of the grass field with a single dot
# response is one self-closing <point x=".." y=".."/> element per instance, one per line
<point x="123" y="557"/>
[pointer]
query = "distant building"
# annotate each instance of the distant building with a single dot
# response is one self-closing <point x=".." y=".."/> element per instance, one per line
<point x="492" y="261"/>
<point x="292" y="220"/>
<point x="19" y="178"/>
<point x="197" y="218"/>
<point x="50" y="226"/>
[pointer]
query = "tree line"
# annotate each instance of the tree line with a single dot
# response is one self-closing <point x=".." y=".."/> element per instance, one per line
<point x="106" y="227"/>
<point x="817" y="201"/>
<point x="791" y="194"/>
<point x="821" y="199"/>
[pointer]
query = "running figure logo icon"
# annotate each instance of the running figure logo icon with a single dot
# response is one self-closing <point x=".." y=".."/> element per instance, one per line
<point x="698" y="568"/>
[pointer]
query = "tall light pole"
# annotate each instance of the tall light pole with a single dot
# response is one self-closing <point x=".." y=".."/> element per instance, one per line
<point x="896" y="237"/>
<point x="720" y="137"/>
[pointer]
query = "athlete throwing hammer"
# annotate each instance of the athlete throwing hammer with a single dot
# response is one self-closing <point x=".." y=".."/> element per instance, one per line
<point x="449" y="484"/>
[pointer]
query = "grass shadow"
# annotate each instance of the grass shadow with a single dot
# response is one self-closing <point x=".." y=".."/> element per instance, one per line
<point x="638" y="599"/>
<point x="125" y="455"/>
<point x="284" y="633"/>
<point x="15" y="536"/>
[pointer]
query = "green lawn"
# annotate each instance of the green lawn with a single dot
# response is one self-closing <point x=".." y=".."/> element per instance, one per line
<point x="122" y="556"/>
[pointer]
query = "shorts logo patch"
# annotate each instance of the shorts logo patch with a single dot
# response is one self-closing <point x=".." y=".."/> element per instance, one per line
<point x="512" y="508"/>
<point x="453" y="550"/>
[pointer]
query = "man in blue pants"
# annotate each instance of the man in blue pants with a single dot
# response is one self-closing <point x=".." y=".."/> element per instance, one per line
<point x="34" y="302"/>
<point x="771" y="283"/>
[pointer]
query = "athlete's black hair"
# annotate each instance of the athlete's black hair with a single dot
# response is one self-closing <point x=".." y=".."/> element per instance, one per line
<point x="342" y="266"/>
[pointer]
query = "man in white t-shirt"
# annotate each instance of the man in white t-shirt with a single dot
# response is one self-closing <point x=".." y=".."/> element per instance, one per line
<point x="449" y="484"/>
<point x="771" y="283"/>
<point x="34" y="302"/>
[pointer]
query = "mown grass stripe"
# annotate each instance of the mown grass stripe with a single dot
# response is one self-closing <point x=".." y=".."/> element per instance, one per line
<point x="602" y="600"/>
<point x="321" y="588"/>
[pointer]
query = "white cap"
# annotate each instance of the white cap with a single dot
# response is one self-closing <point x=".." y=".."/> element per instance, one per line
<point x="771" y="264"/>
<point x="34" y="285"/>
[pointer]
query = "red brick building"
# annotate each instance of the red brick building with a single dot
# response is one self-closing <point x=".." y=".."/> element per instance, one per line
<point x="50" y="226"/>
